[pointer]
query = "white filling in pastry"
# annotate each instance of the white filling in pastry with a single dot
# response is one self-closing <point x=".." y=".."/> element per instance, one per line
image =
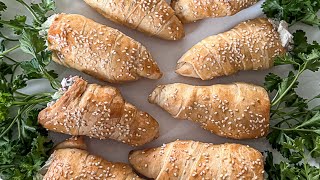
<point x="46" y="25"/>
<point x="285" y="36"/>
<point x="65" y="84"/>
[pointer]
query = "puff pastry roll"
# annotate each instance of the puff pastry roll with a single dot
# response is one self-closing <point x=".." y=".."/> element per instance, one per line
<point x="100" y="51"/>
<point x="192" y="10"/>
<point x="68" y="162"/>
<point x="251" y="45"/>
<point x="196" y="160"/>
<point x="239" y="110"/>
<point x="99" y="112"/>
<point x="153" y="17"/>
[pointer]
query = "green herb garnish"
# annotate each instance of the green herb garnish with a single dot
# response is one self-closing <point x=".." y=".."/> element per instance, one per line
<point x="24" y="145"/>
<point x="293" y="11"/>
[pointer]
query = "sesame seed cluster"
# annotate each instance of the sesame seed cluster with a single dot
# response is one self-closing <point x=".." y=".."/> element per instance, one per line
<point x="76" y="164"/>
<point x="99" y="112"/>
<point x="192" y="10"/>
<point x="251" y="45"/>
<point x="239" y="110"/>
<point x="197" y="160"/>
<point x="153" y="17"/>
<point x="98" y="50"/>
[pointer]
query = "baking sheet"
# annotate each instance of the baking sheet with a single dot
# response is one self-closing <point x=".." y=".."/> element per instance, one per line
<point x="166" y="53"/>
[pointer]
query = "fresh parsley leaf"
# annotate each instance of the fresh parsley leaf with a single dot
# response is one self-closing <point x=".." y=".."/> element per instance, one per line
<point x="293" y="11"/>
<point x="295" y="128"/>
<point x="17" y="24"/>
<point x="312" y="60"/>
<point x="19" y="82"/>
<point x="32" y="43"/>
<point x="272" y="82"/>
<point x="39" y="10"/>
<point x="300" y="42"/>
<point x="42" y="9"/>
<point x="5" y="68"/>
<point x="3" y="6"/>
<point x="304" y="57"/>
<point x="24" y="145"/>
<point x="287" y="171"/>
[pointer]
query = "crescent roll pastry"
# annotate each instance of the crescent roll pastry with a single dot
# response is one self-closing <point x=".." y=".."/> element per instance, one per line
<point x="74" y="163"/>
<point x="251" y="45"/>
<point x="192" y="10"/>
<point x="238" y="111"/>
<point x="98" y="50"/>
<point x="196" y="160"/>
<point x="99" y="112"/>
<point x="153" y="17"/>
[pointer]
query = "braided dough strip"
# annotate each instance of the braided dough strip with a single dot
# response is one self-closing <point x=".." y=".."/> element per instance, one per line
<point x="251" y="45"/>
<point x="69" y="162"/>
<point x="239" y="110"/>
<point x="100" y="112"/>
<point x="196" y="160"/>
<point x="98" y="50"/>
<point x="153" y="17"/>
<point x="193" y="10"/>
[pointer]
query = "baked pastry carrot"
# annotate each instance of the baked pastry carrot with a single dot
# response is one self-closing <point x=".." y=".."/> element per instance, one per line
<point x="239" y="110"/>
<point x="196" y="160"/>
<point x="192" y="10"/>
<point x="99" y="112"/>
<point x="98" y="50"/>
<point x="70" y="162"/>
<point x="153" y="17"/>
<point x="251" y="45"/>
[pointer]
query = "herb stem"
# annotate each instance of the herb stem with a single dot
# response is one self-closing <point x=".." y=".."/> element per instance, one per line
<point x="5" y="166"/>
<point x="13" y="71"/>
<point x="292" y="129"/>
<point x="7" y="38"/>
<point x="285" y="120"/>
<point x="20" y="93"/>
<point x="31" y="102"/>
<point x="10" y="25"/>
<point x="19" y="130"/>
<point x="31" y="11"/>
<point x="20" y="112"/>
<point x="54" y="83"/>
<point x="9" y="50"/>
<point x="277" y="100"/>
<point x="276" y="110"/>
<point x="9" y="58"/>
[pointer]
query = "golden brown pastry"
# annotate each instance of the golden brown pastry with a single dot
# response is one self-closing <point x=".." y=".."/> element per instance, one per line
<point x="238" y="110"/>
<point x="153" y="17"/>
<point x="72" y="163"/>
<point x="196" y="160"/>
<point x="251" y="45"/>
<point x="192" y="10"/>
<point x="100" y="51"/>
<point x="100" y="112"/>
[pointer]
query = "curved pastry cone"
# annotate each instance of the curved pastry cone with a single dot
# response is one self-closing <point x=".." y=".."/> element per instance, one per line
<point x="153" y="17"/>
<point x="192" y="10"/>
<point x="196" y="160"/>
<point x="100" y="112"/>
<point x="252" y="45"/>
<point x="100" y="51"/>
<point x="239" y="110"/>
<point x="73" y="163"/>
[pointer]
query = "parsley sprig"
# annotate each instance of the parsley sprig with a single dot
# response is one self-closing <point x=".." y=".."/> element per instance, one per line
<point x="24" y="145"/>
<point x="293" y="11"/>
<point x="295" y="126"/>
